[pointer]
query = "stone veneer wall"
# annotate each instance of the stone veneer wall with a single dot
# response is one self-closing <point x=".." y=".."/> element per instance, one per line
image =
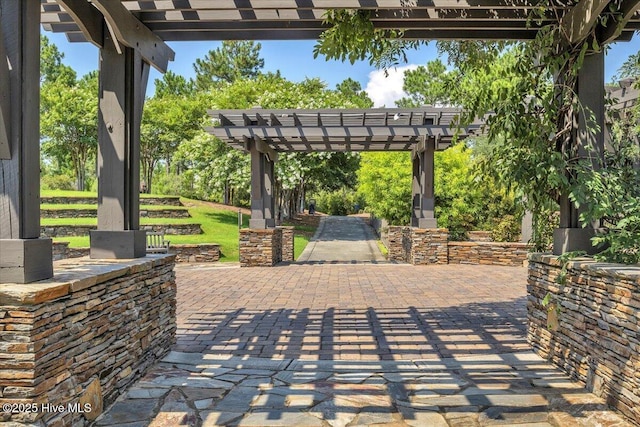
<point x="592" y="327"/>
<point x="287" y="244"/>
<point x="83" y="230"/>
<point x="432" y="246"/>
<point x="84" y="336"/>
<point x="166" y="201"/>
<point x="429" y="246"/>
<point x="492" y="253"/>
<point x="202" y="252"/>
<point x="260" y="248"/>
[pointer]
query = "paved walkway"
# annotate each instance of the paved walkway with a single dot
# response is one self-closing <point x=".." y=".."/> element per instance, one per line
<point x="340" y="239"/>
<point x="354" y="345"/>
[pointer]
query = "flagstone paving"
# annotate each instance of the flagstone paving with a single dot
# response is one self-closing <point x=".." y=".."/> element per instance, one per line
<point x="354" y="345"/>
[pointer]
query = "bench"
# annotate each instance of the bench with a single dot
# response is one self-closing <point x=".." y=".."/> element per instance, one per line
<point x="156" y="243"/>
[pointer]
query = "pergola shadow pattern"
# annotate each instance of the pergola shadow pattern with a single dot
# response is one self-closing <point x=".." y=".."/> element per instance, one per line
<point x="338" y="345"/>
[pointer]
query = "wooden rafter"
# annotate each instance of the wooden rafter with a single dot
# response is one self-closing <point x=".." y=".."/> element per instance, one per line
<point x="129" y="31"/>
<point x="88" y="19"/>
<point x="628" y="9"/>
<point x="581" y="20"/>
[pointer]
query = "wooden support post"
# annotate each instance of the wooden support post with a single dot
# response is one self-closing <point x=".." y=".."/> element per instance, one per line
<point x="24" y="256"/>
<point x="423" y="169"/>
<point x="262" y="200"/>
<point x="123" y="82"/>
<point x="571" y="236"/>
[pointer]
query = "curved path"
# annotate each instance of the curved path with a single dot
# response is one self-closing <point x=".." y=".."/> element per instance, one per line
<point x="341" y="239"/>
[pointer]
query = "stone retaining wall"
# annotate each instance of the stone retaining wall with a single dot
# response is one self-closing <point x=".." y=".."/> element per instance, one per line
<point x="202" y="252"/>
<point x="431" y="246"/>
<point x="92" y="213"/>
<point x="83" y="230"/>
<point x="306" y="219"/>
<point x="166" y="201"/>
<point x="84" y="336"/>
<point x="591" y="329"/>
<point x="260" y="248"/>
<point x="493" y="253"/>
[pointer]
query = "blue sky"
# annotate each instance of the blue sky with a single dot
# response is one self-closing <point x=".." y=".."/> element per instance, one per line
<point x="295" y="61"/>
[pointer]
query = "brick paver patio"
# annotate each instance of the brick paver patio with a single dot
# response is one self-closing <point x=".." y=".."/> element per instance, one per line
<point x="369" y="312"/>
<point x="354" y="345"/>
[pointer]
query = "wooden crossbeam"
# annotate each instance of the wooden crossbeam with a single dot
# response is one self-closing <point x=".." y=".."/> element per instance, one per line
<point x="581" y="19"/>
<point x="128" y="30"/>
<point x="628" y="9"/>
<point x="88" y="19"/>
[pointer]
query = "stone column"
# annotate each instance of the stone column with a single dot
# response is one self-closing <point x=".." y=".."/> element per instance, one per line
<point x="262" y="177"/>
<point x="123" y="82"/>
<point x="423" y="215"/>
<point x="24" y="256"/>
<point x="571" y="236"/>
<point x="287" y="244"/>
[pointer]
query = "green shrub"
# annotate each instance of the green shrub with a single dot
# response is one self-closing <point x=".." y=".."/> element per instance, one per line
<point x="507" y="229"/>
<point x="57" y="182"/>
<point x="338" y="202"/>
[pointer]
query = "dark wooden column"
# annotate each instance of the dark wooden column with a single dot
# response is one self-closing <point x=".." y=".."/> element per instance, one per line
<point x="24" y="256"/>
<point x="262" y="178"/>
<point x="123" y="82"/>
<point x="571" y="236"/>
<point x="423" y="215"/>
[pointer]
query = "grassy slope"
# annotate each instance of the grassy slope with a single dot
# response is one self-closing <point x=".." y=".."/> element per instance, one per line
<point x="218" y="226"/>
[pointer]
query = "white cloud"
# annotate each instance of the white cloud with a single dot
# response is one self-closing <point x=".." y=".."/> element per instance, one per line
<point x="383" y="90"/>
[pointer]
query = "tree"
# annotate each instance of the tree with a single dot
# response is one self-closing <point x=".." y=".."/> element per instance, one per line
<point x="51" y="66"/>
<point x="173" y="84"/>
<point x="167" y="120"/>
<point x="427" y="85"/>
<point x="630" y="68"/>
<point x="352" y="90"/>
<point x="69" y="123"/>
<point x="384" y="180"/>
<point x="232" y="61"/>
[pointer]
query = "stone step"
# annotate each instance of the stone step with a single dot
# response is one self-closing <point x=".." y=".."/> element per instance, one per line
<point x="92" y="213"/>
<point x="83" y="230"/>
<point x="166" y="201"/>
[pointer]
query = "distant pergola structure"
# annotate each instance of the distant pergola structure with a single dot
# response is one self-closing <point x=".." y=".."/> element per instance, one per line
<point x="264" y="133"/>
<point x="131" y="36"/>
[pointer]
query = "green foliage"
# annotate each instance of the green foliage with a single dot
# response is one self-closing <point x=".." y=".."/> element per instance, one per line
<point x="351" y="36"/>
<point x="338" y="202"/>
<point x="507" y="229"/>
<point x="57" y="182"/>
<point x="385" y="183"/>
<point x="69" y="123"/>
<point x="51" y="67"/>
<point x="630" y="68"/>
<point x="167" y="120"/>
<point x="427" y="85"/>
<point x="352" y="90"/>
<point x="173" y="84"/>
<point x="234" y="60"/>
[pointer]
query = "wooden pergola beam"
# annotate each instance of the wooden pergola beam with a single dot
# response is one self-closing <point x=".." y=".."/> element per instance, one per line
<point x="128" y="30"/>
<point x="581" y="19"/>
<point x="88" y="19"/>
<point x="628" y="9"/>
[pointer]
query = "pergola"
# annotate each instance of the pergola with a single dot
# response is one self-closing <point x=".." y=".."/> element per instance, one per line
<point x="131" y="36"/>
<point x="264" y="133"/>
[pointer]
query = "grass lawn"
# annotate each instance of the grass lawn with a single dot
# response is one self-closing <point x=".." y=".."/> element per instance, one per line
<point x="72" y="193"/>
<point x="70" y="206"/>
<point x="218" y="225"/>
